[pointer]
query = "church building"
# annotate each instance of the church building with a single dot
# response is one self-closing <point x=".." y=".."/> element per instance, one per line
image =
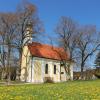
<point x="42" y="62"/>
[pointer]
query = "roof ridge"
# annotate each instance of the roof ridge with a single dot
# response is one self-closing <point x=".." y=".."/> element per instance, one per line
<point x="46" y="45"/>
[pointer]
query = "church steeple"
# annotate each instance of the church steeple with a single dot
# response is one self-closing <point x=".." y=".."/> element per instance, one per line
<point x="28" y="34"/>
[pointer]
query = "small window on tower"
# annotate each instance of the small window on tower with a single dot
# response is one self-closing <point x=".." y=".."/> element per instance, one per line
<point x="46" y="69"/>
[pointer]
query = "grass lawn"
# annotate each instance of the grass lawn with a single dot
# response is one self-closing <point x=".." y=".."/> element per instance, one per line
<point x="76" y="90"/>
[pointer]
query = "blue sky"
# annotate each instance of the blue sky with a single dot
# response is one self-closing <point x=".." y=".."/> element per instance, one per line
<point x="82" y="11"/>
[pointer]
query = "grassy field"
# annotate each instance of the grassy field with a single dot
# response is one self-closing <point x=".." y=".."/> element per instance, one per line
<point x="76" y="90"/>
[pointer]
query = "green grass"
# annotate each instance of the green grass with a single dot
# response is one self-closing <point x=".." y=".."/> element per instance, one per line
<point x="76" y="90"/>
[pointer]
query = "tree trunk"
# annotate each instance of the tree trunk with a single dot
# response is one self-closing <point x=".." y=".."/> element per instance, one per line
<point x="2" y="74"/>
<point x="67" y="70"/>
<point x="82" y="68"/>
<point x="9" y="78"/>
<point x="19" y="67"/>
<point x="3" y="63"/>
<point x="8" y="65"/>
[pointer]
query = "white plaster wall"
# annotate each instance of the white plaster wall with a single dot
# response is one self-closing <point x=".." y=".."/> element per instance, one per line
<point x="42" y="61"/>
<point x="63" y="76"/>
<point x="51" y="63"/>
<point x="25" y="64"/>
<point x="71" y="70"/>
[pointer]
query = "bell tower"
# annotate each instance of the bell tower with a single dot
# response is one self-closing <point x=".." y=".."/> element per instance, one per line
<point x="28" y="34"/>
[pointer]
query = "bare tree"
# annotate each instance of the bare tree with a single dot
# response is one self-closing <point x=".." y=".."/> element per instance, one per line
<point x="2" y="54"/>
<point x="8" y="28"/>
<point x="88" y="43"/>
<point x="13" y="28"/>
<point x="66" y="31"/>
<point x="27" y="15"/>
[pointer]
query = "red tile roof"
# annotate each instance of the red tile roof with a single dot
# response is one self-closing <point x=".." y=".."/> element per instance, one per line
<point x="47" y="51"/>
